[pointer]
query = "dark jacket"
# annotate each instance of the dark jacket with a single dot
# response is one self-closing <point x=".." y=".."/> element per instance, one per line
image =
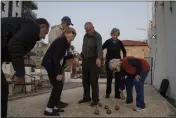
<point x="54" y="55"/>
<point x="92" y="46"/>
<point x="113" y="49"/>
<point x="18" y="37"/>
<point x="134" y="66"/>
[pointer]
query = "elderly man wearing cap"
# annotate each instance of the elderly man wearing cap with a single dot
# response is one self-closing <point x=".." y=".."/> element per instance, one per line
<point x="55" y="32"/>
<point x="58" y="30"/>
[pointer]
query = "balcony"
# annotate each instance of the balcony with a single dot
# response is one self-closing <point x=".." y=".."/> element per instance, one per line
<point x="31" y="5"/>
<point x="28" y="13"/>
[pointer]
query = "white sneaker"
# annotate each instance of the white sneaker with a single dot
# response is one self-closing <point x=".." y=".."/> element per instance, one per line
<point x="139" y="109"/>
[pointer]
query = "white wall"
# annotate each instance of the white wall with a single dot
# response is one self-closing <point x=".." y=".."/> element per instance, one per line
<point x="163" y="48"/>
<point x="6" y="9"/>
<point x="16" y="9"/>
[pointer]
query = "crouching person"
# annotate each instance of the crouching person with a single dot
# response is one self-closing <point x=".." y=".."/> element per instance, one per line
<point x="136" y="70"/>
<point x="53" y="62"/>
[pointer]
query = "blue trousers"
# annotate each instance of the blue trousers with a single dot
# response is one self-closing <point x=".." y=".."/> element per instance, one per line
<point x="139" y="86"/>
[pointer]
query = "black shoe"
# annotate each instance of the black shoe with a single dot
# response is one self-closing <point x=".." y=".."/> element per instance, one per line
<point x="84" y="101"/>
<point x="107" y="96"/>
<point x="129" y="102"/>
<point x="54" y="113"/>
<point x="59" y="110"/>
<point x="62" y="104"/>
<point x="117" y="96"/>
<point x="93" y="104"/>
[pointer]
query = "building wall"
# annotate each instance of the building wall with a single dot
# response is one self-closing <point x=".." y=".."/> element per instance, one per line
<point x="163" y="47"/>
<point x="17" y="8"/>
<point x="4" y="12"/>
<point x="137" y="51"/>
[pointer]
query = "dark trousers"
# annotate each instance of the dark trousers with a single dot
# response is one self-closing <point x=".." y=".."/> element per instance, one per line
<point x="139" y="86"/>
<point x="119" y="82"/>
<point x="4" y="95"/>
<point x="56" y="92"/>
<point x="90" y="73"/>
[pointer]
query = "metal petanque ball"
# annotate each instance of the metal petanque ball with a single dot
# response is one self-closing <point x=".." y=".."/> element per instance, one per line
<point x="117" y="108"/>
<point x="100" y="104"/>
<point x="96" y="112"/>
<point x="109" y="111"/>
<point x="106" y="107"/>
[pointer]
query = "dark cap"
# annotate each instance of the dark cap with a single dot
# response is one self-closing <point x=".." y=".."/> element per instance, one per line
<point x="67" y="20"/>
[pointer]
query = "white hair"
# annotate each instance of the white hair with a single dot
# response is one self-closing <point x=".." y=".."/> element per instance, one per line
<point x="114" y="64"/>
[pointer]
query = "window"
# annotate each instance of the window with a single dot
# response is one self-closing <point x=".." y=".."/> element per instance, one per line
<point x="17" y="3"/>
<point x="2" y="6"/>
<point x="32" y="69"/>
<point x="16" y="14"/>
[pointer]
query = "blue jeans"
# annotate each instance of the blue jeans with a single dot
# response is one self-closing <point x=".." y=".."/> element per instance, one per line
<point x="139" y="86"/>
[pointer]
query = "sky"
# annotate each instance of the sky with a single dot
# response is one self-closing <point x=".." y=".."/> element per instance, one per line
<point x="127" y="16"/>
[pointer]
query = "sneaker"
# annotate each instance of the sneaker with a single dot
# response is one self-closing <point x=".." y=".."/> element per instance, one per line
<point x="54" y="113"/>
<point x="93" y="104"/>
<point x="107" y="95"/>
<point x="84" y="101"/>
<point x="62" y="104"/>
<point x="139" y="109"/>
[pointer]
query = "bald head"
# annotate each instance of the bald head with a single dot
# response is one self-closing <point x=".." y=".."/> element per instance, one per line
<point x="89" y="28"/>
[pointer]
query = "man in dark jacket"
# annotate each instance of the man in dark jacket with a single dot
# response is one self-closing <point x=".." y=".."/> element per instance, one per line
<point x="136" y="70"/>
<point x="92" y="54"/>
<point x="53" y="62"/>
<point x="18" y="37"/>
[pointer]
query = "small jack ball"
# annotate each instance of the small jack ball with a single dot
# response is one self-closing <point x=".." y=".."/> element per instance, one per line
<point x="100" y="104"/>
<point x="96" y="112"/>
<point x="108" y="111"/>
<point x="106" y="107"/>
<point x="117" y="107"/>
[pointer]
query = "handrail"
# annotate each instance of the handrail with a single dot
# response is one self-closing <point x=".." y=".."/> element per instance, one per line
<point x="30" y="76"/>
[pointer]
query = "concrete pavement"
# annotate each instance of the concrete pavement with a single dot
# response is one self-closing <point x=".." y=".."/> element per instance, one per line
<point x="34" y="106"/>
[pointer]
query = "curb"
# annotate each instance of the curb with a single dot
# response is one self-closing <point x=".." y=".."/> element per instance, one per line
<point x="173" y="109"/>
<point x="36" y="94"/>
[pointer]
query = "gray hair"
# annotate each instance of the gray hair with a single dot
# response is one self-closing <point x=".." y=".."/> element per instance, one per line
<point x="114" y="64"/>
<point x="88" y="23"/>
<point x="114" y="30"/>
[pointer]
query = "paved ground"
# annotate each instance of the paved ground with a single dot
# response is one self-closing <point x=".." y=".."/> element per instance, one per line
<point x="34" y="106"/>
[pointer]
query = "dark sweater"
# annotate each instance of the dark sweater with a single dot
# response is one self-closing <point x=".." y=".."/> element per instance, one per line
<point x="92" y="46"/>
<point x="55" y="56"/>
<point x="113" y="49"/>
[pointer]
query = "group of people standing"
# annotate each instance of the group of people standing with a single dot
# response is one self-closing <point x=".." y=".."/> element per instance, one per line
<point x="19" y="35"/>
<point x="128" y="71"/>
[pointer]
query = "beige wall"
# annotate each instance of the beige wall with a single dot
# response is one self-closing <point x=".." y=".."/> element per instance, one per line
<point x="137" y="51"/>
